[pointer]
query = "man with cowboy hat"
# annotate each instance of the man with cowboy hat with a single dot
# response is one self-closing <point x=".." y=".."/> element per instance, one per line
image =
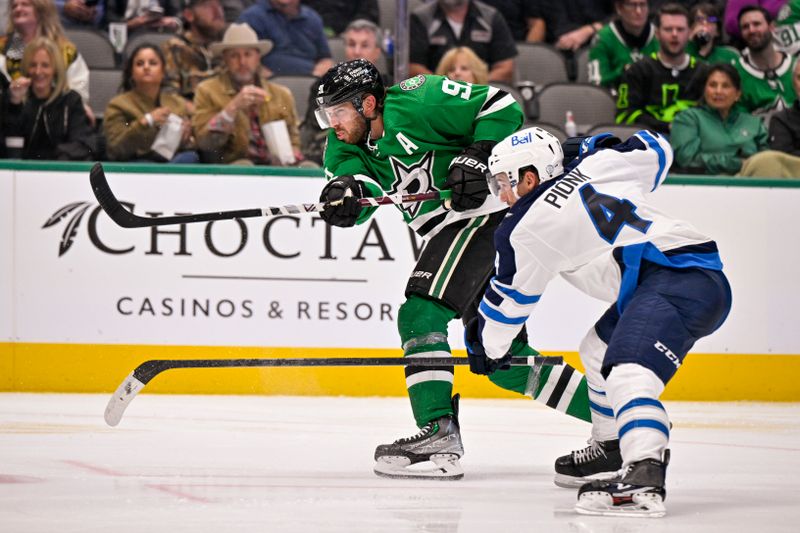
<point x="232" y="106"/>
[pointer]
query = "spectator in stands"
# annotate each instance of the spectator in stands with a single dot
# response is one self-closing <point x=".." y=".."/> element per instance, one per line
<point x="734" y="7"/>
<point x="765" y="71"/>
<point x="46" y="118"/>
<point x="233" y="106"/>
<point x="787" y="28"/>
<point x="135" y="117"/>
<point x="362" y="41"/>
<point x="626" y="39"/>
<point x="481" y="27"/>
<point x="782" y="160"/>
<point x="89" y="14"/>
<point x="655" y="88"/>
<point x="3" y="114"/>
<point x="525" y="18"/>
<point x="784" y="128"/>
<point x="577" y="21"/>
<point x="717" y="136"/>
<point x="189" y="59"/>
<point x="462" y="64"/>
<point x="38" y="18"/>
<point x="152" y="15"/>
<point x="705" y="36"/>
<point x="298" y="39"/>
<point x="337" y="14"/>
<point x="234" y="8"/>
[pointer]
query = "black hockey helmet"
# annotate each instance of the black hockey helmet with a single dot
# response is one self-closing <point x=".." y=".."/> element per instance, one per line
<point x="348" y="81"/>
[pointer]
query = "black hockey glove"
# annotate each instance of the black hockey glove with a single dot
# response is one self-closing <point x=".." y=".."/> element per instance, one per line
<point x="467" y="176"/>
<point x="344" y="191"/>
<point x="479" y="362"/>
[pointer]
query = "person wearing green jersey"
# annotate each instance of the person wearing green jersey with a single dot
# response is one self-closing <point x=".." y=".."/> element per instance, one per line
<point x="430" y="133"/>
<point x="766" y="71"/>
<point x="625" y="40"/>
<point x="705" y="36"/>
<point x="787" y="27"/>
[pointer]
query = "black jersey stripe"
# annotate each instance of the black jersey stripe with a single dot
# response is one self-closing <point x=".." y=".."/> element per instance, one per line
<point x="429" y="226"/>
<point x="560" y="387"/>
<point x="494" y="99"/>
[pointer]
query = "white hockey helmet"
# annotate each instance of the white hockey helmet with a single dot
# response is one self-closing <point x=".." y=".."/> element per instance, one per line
<point x="529" y="147"/>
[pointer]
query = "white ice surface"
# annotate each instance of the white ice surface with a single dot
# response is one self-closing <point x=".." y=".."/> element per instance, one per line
<point x="275" y="464"/>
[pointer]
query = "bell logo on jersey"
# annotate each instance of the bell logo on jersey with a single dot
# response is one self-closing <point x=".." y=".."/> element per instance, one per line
<point x="516" y="140"/>
<point x="670" y="355"/>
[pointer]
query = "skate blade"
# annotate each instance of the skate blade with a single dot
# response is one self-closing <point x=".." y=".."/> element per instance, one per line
<point x="570" y="482"/>
<point x="601" y="504"/>
<point x="443" y="466"/>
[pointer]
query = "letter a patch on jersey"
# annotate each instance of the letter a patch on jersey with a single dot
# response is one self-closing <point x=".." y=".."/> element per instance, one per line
<point x="412" y="179"/>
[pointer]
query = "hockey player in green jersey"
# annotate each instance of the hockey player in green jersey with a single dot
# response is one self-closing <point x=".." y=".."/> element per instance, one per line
<point x="430" y="133"/>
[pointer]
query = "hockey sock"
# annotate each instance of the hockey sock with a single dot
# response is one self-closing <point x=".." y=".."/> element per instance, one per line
<point x="423" y="332"/>
<point x="560" y="387"/>
<point x="642" y="421"/>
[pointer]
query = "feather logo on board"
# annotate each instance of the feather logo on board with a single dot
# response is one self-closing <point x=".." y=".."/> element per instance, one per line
<point x="74" y="212"/>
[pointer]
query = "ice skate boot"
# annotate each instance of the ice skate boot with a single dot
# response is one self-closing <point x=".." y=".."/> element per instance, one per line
<point x="600" y="460"/>
<point x="433" y="453"/>
<point x="639" y="493"/>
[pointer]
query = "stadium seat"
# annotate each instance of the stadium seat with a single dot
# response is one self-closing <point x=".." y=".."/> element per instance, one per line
<point x="590" y="105"/>
<point x="104" y="84"/>
<point x="300" y="87"/>
<point x="151" y="37"/>
<point x="541" y="64"/>
<point x="582" y="65"/>
<point x="621" y="131"/>
<point x="94" y="46"/>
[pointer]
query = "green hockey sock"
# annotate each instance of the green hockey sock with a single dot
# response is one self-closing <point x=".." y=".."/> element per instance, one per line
<point x="423" y="331"/>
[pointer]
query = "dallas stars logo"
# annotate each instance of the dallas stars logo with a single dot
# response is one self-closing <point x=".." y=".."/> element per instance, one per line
<point x="412" y="179"/>
<point x="413" y="83"/>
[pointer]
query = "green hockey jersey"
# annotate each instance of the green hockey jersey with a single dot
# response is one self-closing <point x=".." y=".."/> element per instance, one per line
<point x="427" y="120"/>
<point x="766" y="92"/>
<point x="613" y="50"/>
<point x="787" y="27"/>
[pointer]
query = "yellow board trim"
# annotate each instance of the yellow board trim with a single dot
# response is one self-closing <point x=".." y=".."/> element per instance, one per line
<point x="29" y="367"/>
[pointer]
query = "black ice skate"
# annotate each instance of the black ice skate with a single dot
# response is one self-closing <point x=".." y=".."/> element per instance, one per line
<point x="600" y="460"/>
<point x="433" y="453"/>
<point x="639" y="493"/>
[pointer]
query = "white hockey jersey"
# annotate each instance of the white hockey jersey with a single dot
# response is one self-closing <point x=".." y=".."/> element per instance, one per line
<point x="593" y="226"/>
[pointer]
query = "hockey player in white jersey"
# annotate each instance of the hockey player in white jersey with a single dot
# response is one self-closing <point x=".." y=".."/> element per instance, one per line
<point x="591" y="223"/>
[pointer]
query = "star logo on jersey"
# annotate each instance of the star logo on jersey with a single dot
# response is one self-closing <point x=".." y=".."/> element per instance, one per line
<point x="412" y="179"/>
<point x="412" y="83"/>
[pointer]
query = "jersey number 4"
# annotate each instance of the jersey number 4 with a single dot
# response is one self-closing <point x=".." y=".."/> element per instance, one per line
<point x="610" y="214"/>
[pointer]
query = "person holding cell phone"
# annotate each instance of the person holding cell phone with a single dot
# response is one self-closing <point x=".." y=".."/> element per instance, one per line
<point x="153" y="15"/>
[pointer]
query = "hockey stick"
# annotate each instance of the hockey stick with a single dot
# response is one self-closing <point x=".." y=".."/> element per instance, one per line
<point x="148" y="370"/>
<point x="126" y="219"/>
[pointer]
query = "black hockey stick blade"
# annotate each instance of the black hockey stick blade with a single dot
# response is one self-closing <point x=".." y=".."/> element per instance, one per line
<point x="126" y="219"/>
<point x="148" y="370"/>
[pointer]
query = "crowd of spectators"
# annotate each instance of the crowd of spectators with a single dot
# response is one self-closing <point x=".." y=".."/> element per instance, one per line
<point x="719" y="78"/>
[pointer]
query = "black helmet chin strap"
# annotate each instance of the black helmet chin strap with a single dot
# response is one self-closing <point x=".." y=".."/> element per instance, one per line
<point x="358" y="103"/>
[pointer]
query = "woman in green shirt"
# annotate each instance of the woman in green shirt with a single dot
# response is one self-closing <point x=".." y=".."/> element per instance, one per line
<point x="717" y="136"/>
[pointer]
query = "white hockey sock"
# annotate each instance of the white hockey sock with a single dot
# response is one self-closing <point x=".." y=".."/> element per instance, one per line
<point x="642" y="421"/>
<point x="592" y="350"/>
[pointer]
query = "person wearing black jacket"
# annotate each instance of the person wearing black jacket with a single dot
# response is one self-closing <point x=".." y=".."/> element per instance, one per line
<point x="784" y="127"/>
<point x="48" y="119"/>
<point x="654" y="89"/>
